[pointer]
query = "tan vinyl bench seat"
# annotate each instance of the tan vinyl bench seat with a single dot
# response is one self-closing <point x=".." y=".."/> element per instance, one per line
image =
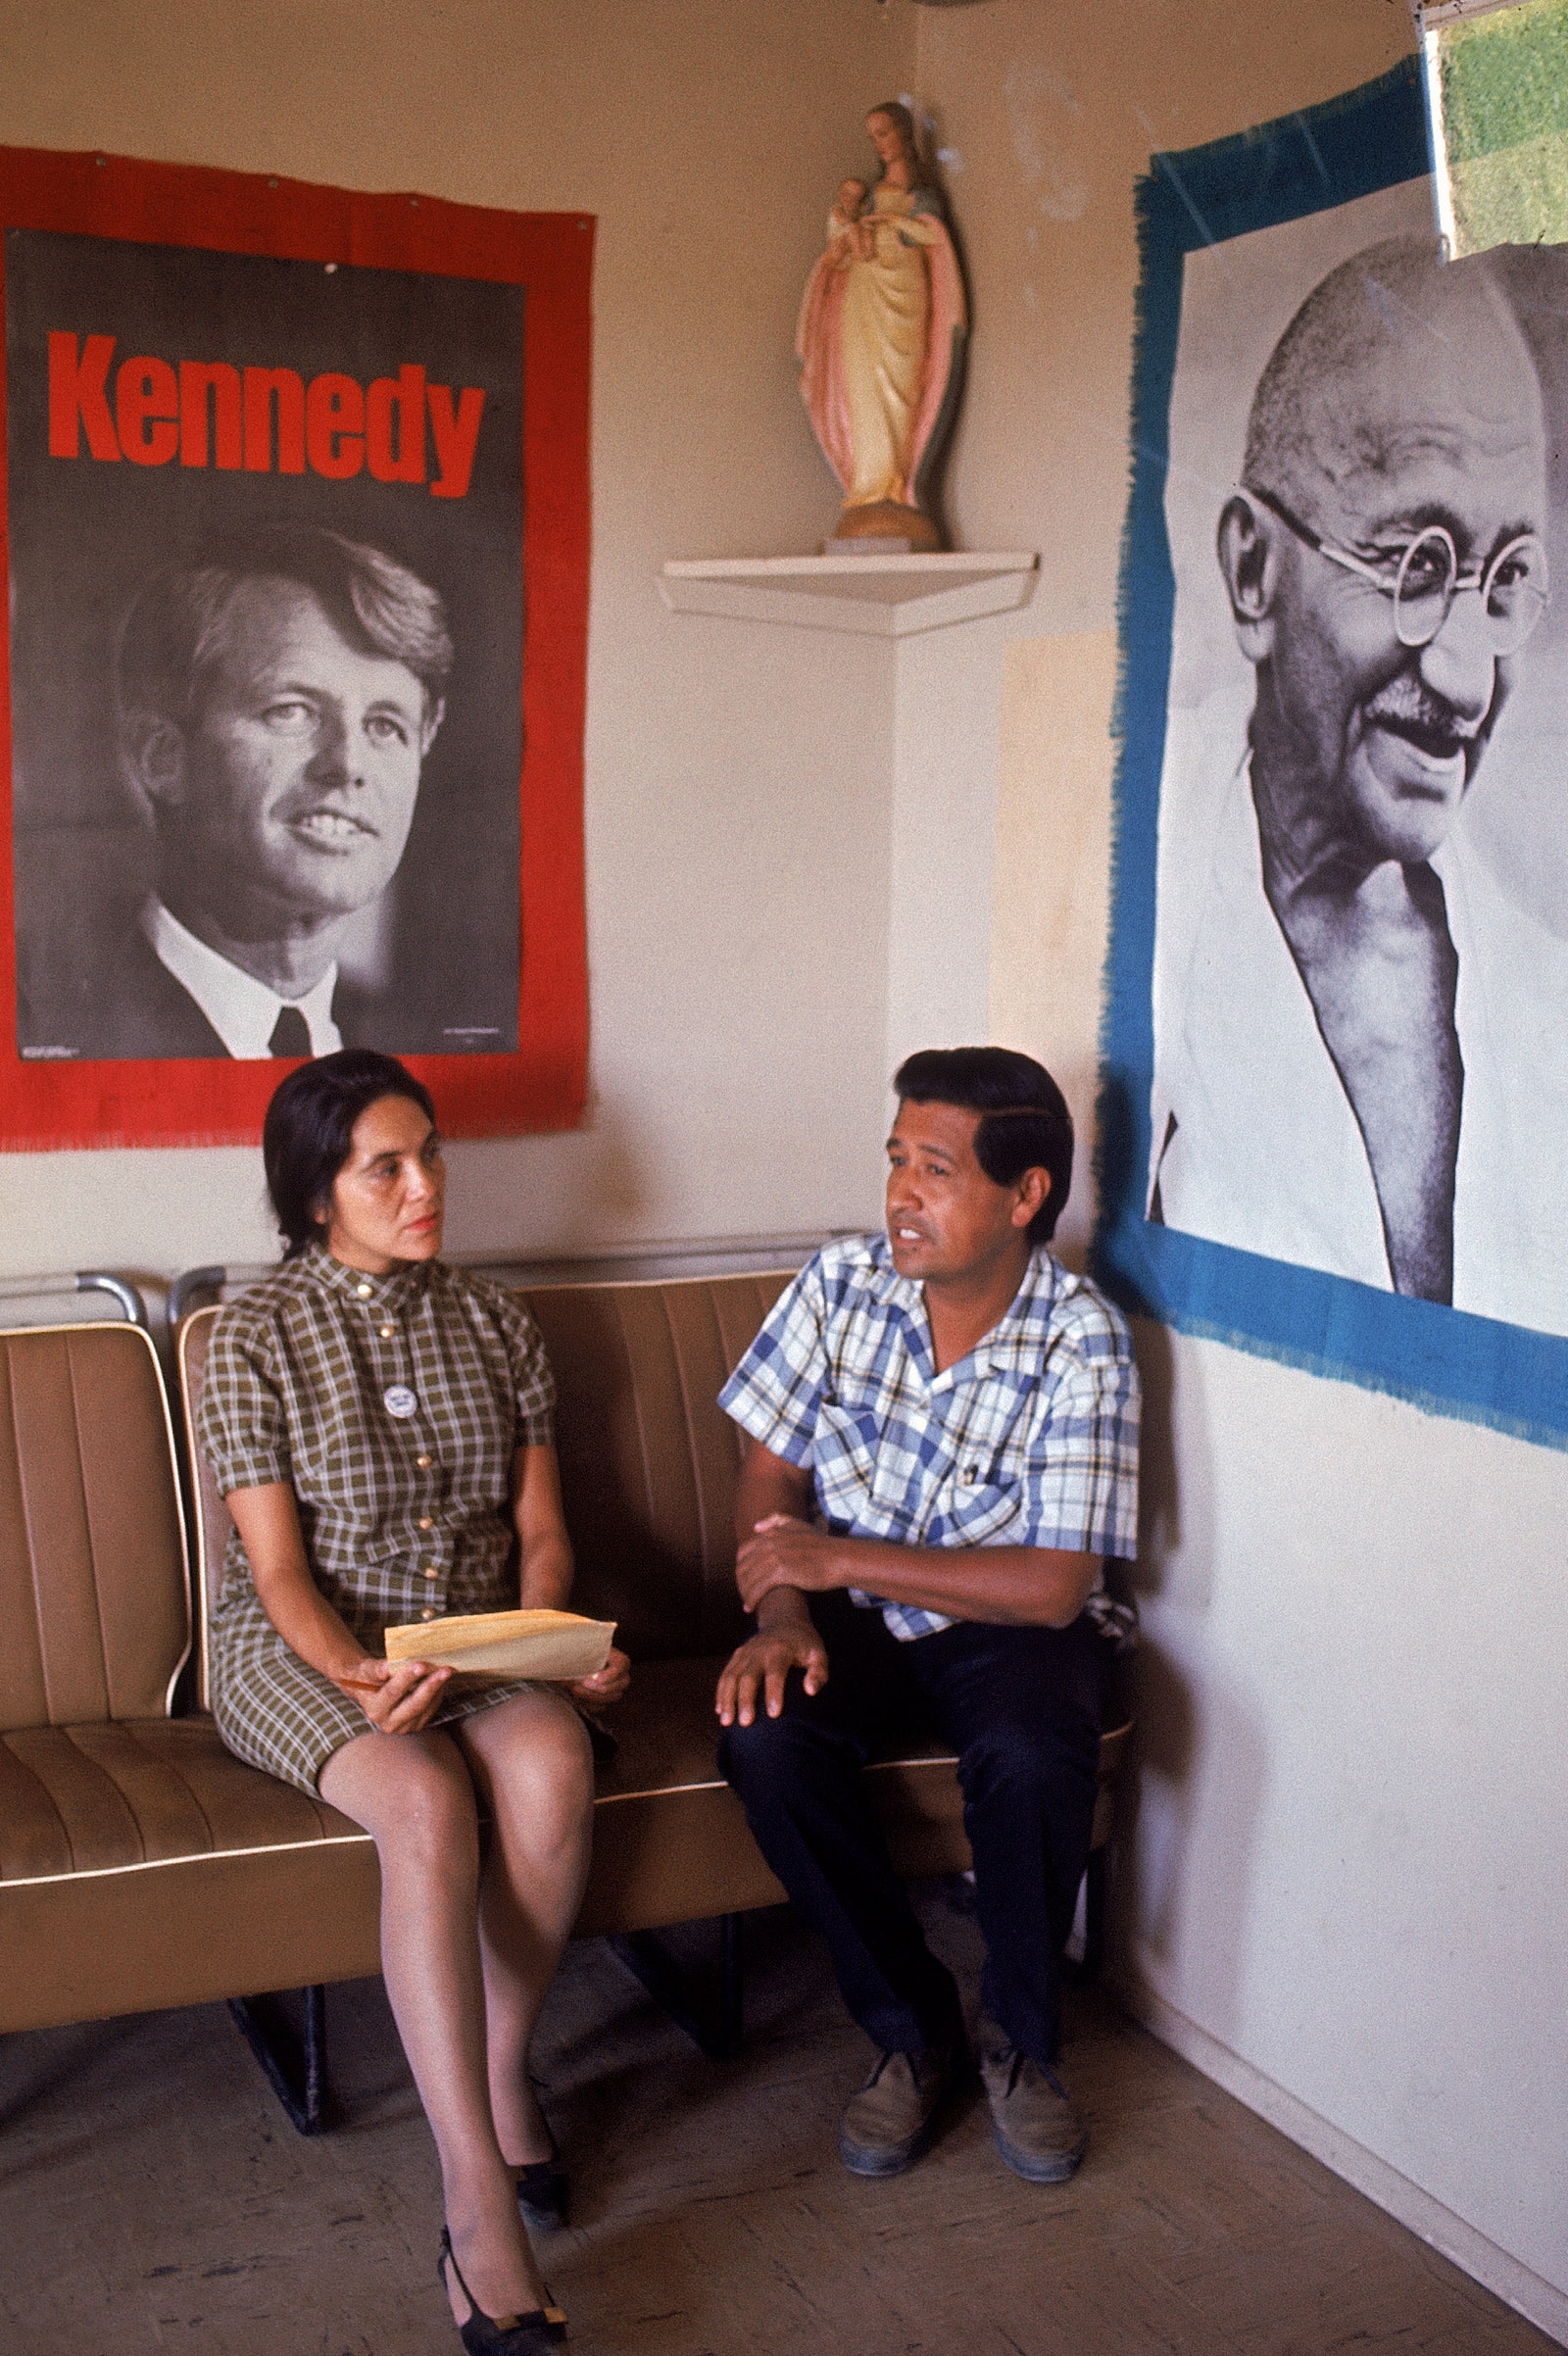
<point x="141" y="1865"/>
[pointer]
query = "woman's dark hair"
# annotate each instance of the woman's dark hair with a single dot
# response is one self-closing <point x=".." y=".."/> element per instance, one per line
<point x="1025" y="1121"/>
<point x="307" y="1134"/>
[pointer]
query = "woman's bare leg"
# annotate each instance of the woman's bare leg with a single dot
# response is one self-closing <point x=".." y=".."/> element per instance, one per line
<point x="533" y="1764"/>
<point x="413" y="1795"/>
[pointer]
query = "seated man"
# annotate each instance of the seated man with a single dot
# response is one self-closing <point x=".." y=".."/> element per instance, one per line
<point x="943" y="1445"/>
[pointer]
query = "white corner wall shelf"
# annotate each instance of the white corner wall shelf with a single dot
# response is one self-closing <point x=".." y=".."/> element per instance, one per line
<point x="884" y="596"/>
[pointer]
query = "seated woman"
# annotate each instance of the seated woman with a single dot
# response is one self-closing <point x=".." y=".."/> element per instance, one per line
<point x="380" y="1426"/>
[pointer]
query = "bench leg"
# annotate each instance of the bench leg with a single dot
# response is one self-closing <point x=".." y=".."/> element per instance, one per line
<point x="732" y="1982"/>
<point x="717" y="2033"/>
<point x="295" y="2066"/>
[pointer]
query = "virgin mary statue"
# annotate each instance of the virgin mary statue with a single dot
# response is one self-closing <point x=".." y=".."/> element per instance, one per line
<point x="880" y="341"/>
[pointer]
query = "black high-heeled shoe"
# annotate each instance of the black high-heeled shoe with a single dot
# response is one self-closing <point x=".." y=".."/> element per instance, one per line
<point x="484" y="2334"/>
<point x="544" y="2191"/>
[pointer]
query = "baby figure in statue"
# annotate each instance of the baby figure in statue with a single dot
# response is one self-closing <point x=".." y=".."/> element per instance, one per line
<point x="844" y="239"/>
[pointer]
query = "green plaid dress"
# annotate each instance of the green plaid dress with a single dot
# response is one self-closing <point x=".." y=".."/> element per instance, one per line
<point x="404" y="1517"/>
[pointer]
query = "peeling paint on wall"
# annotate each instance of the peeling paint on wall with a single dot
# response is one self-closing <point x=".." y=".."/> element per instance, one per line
<point x="1042" y="109"/>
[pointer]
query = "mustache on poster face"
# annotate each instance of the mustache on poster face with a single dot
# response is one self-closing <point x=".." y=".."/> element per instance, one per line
<point x="1409" y="708"/>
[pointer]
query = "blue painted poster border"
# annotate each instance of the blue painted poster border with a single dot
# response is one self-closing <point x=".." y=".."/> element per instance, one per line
<point x="1443" y="1360"/>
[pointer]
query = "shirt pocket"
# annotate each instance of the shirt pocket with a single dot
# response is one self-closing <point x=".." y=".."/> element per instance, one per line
<point x="979" y="1513"/>
<point x="844" y="1449"/>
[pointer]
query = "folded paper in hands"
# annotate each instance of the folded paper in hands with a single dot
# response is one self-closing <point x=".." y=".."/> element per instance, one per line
<point x="554" y="1647"/>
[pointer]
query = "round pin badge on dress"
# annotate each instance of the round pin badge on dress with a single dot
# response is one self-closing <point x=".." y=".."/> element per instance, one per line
<point x="401" y="1401"/>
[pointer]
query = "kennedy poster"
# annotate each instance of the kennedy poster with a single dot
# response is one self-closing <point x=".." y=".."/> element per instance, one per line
<point x="296" y="512"/>
<point x="1337" y="1086"/>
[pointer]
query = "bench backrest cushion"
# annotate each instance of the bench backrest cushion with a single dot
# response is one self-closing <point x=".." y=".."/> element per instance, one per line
<point x="648" y="1461"/>
<point x="94" y="1598"/>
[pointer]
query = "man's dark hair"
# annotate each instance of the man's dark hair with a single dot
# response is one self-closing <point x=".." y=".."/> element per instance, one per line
<point x="307" y="1134"/>
<point x="179" y="627"/>
<point x="1025" y="1121"/>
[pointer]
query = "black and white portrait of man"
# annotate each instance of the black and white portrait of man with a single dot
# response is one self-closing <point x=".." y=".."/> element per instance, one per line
<point x="1362" y="964"/>
<point x="275" y="709"/>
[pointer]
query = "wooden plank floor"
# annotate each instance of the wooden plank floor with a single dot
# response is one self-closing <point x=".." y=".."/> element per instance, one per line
<point x="155" y="2198"/>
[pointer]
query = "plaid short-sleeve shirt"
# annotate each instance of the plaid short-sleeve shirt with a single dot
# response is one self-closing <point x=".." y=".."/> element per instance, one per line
<point x="1031" y="1441"/>
<point x="404" y="1515"/>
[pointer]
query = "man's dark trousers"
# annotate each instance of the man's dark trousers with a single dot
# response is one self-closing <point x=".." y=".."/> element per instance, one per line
<point x="1021" y="1706"/>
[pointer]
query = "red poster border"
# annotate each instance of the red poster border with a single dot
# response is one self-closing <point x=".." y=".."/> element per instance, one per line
<point x="46" y="1105"/>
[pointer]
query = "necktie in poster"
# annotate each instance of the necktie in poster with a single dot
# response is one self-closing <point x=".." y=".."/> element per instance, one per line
<point x="296" y="506"/>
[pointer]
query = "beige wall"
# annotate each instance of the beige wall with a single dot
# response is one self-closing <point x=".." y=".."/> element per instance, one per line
<point x="739" y="779"/>
<point x="1347" y="1896"/>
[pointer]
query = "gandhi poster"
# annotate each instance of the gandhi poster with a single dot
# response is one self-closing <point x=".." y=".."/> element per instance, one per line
<point x="1354" y="838"/>
<point x="270" y="615"/>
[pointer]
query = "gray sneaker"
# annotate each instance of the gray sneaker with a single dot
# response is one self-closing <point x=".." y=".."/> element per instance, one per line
<point x="1036" y="2128"/>
<point x="891" y="2119"/>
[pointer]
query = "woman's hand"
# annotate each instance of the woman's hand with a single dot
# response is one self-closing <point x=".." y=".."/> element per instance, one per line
<point x="399" y="1697"/>
<point x="608" y="1684"/>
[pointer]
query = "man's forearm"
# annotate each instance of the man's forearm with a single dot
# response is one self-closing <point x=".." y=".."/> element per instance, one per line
<point x="1013" y="1586"/>
<point x="1024" y="1586"/>
<point x="1031" y="1587"/>
<point x="783" y="1607"/>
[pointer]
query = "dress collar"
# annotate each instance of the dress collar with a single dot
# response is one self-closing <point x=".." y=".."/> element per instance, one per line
<point x="397" y="1291"/>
